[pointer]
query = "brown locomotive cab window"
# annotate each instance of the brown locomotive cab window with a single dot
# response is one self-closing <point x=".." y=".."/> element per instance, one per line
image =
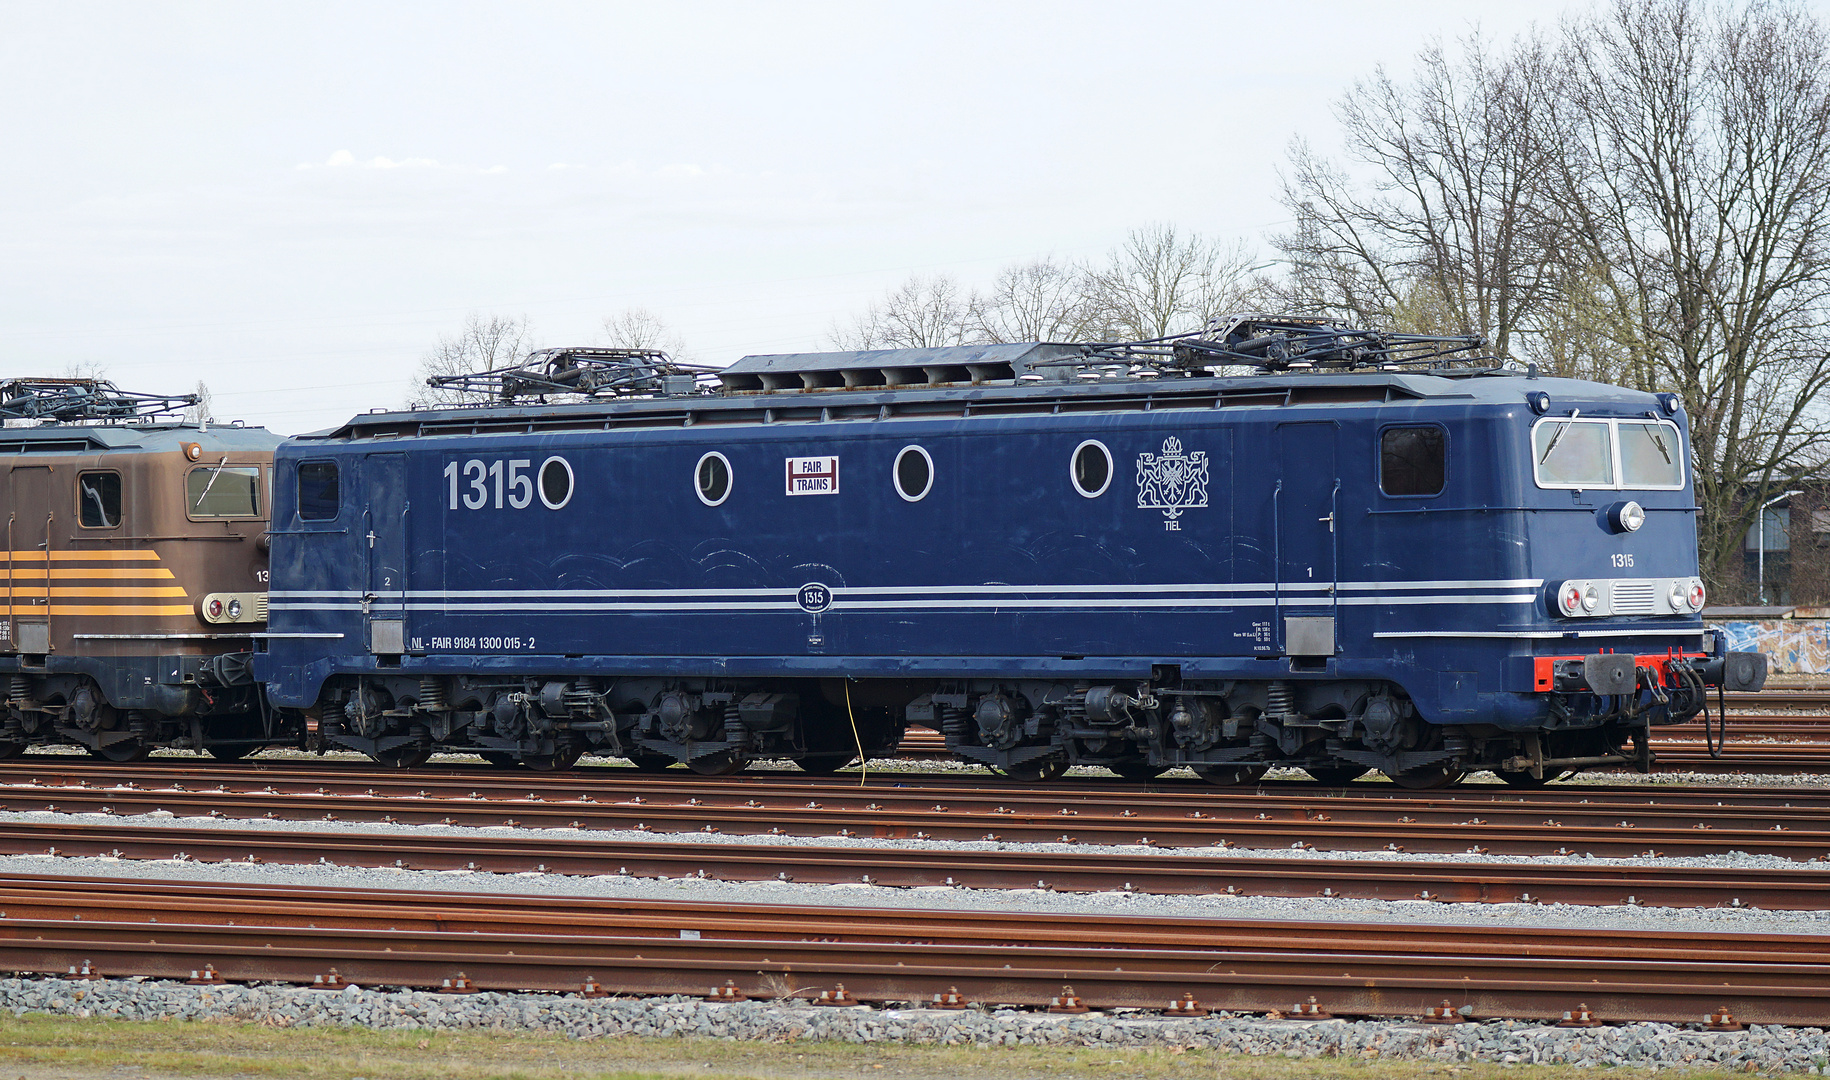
<point x="98" y="500"/>
<point x="318" y="491"/>
<point x="1411" y="461"/>
<point x="213" y="491"/>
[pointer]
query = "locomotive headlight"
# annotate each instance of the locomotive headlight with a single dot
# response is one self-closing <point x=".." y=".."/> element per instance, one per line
<point x="1626" y="516"/>
<point x="1678" y="595"/>
<point x="1569" y="598"/>
<point x="235" y="609"/>
<point x="1591" y="597"/>
<point x="1696" y="595"/>
<point x="214" y="607"/>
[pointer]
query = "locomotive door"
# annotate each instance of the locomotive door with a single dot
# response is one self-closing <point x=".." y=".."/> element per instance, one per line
<point x="31" y="521"/>
<point x="386" y="524"/>
<point x="1307" y="495"/>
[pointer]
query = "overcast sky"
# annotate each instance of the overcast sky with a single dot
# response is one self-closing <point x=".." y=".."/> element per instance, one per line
<point x="293" y="202"/>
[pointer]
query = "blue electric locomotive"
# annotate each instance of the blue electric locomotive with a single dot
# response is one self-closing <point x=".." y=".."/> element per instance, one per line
<point x="1358" y="554"/>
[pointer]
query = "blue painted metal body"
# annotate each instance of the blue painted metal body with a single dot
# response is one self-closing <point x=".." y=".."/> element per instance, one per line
<point x="1003" y="570"/>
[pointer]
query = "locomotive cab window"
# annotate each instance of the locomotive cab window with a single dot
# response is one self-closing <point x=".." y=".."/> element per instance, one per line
<point x="319" y="494"/>
<point x="1572" y="454"/>
<point x="1649" y="456"/>
<point x="1411" y="460"/>
<point x="218" y="491"/>
<point x="1609" y="454"/>
<point x="98" y="500"/>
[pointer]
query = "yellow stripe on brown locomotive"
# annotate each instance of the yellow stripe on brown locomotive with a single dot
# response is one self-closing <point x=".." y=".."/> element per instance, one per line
<point x="50" y="586"/>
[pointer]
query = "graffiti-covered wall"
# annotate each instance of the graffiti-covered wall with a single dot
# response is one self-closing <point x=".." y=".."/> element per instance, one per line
<point x="1793" y="646"/>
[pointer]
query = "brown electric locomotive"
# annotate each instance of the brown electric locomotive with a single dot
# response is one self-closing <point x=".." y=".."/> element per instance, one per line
<point x="136" y="573"/>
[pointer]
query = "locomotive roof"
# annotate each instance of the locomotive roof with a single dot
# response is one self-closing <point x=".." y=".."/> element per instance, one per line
<point x="964" y="380"/>
<point x="147" y="438"/>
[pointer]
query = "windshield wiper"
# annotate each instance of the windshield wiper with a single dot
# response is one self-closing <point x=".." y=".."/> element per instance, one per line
<point x="1660" y="443"/>
<point x="1554" y="440"/>
<point x="214" y="473"/>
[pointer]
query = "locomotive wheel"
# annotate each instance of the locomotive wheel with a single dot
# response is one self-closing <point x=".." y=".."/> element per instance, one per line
<point x="723" y="763"/>
<point x="499" y="759"/>
<point x="1034" y="772"/>
<point x="122" y="752"/>
<point x="1526" y="780"/>
<point x="11" y="750"/>
<point x="1138" y="770"/>
<point x="1231" y="775"/>
<point x="650" y="763"/>
<point x="565" y="759"/>
<point x="1428" y="777"/>
<point x="1336" y="775"/>
<point x="229" y="753"/>
<point x="824" y="764"/>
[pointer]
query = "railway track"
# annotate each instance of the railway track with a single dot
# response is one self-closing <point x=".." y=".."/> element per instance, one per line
<point x="489" y="942"/>
<point x="1587" y="820"/>
<point x="1164" y="873"/>
<point x="1780" y="699"/>
<point x="1756" y="745"/>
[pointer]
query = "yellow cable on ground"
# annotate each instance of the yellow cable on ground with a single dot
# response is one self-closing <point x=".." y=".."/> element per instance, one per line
<point x="863" y="765"/>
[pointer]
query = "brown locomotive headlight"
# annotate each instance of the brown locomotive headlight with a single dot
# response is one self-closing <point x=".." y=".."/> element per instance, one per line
<point x="215" y="609"/>
<point x="193" y="451"/>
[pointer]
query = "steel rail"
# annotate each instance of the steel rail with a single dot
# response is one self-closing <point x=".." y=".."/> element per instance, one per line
<point x="1761" y="759"/>
<point x="909" y="956"/>
<point x="909" y="867"/>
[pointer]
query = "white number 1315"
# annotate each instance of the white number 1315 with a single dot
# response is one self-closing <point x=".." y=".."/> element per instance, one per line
<point x="483" y="480"/>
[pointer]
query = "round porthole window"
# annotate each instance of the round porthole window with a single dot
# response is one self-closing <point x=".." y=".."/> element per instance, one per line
<point x="914" y="473"/>
<point x="712" y="479"/>
<point x="555" y="482"/>
<point x="1091" y="468"/>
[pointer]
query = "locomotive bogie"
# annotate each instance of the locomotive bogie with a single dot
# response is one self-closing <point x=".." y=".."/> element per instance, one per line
<point x="547" y="722"/>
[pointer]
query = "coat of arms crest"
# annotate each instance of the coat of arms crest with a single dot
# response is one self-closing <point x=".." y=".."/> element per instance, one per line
<point x="1172" y="481"/>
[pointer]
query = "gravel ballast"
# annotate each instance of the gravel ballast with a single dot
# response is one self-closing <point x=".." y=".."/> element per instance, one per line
<point x="1767" y="1049"/>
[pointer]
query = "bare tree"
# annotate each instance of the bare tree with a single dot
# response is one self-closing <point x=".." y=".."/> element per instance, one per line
<point x="1161" y="282"/>
<point x="922" y="312"/>
<point x="1697" y="190"/>
<point x="1450" y="238"/>
<point x="482" y="344"/>
<point x="200" y="413"/>
<point x="639" y="328"/>
<point x="1041" y="300"/>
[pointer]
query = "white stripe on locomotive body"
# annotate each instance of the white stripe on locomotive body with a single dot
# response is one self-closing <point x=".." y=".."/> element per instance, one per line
<point x="1546" y="635"/>
<point x="934" y="598"/>
<point x="906" y="590"/>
